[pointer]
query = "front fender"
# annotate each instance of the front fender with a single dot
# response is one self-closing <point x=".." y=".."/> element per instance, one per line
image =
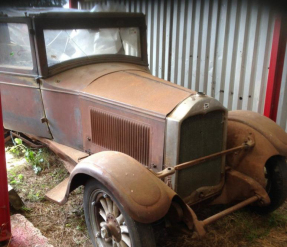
<point x="144" y="197"/>
<point x="270" y="140"/>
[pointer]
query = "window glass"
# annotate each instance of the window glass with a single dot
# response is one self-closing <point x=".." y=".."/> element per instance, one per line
<point x="63" y="45"/>
<point x="15" y="49"/>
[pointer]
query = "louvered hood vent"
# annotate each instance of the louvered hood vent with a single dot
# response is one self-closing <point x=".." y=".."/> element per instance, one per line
<point x="119" y="134"/>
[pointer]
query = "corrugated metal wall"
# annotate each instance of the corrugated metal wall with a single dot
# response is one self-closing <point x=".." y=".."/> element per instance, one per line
<point x="221" y="47"/>
<point x="282" y="107"/>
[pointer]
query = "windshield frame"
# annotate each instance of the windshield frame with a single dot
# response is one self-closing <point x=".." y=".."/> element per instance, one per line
<point x="58" y="21"/>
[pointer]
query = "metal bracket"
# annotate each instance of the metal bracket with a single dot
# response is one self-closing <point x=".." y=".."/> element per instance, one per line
<point x="164" y="173"/>
<point x="44" y="120"/>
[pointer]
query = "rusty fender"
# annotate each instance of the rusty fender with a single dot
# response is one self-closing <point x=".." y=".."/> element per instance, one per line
<point x="270" y="140"/>
<point x="144" y="197"/>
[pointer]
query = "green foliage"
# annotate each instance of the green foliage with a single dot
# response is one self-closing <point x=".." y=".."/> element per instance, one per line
<point x="14" y="178"/>
<point x="34" y="196"/>
<point x="17" y="149"/>
<point x="26" y="209"/>
<point x="20" y="177"/>
<point x="18" y="141"/>
<point x="13" y="182"/>
<point x="79" y="228"/>
<point x="39" y="159"/>
<point x="278" y="219"/>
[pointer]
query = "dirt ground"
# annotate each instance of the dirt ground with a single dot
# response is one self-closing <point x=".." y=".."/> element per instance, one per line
<point x="65" y="225"/>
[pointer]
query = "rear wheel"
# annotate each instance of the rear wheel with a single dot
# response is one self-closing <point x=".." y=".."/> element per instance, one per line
<point x="276" y="183"/>
<point x="107" y="222"/>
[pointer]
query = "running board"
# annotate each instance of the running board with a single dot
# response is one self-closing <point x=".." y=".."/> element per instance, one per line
<point x="57" y="194"/>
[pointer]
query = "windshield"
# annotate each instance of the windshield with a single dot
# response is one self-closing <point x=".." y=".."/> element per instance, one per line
<point x="67" y="44"/>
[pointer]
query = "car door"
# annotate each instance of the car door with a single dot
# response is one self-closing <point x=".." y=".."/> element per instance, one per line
<point x="20" y="91"/>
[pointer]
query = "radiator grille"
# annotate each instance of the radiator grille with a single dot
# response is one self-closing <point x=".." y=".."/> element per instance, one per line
<point x="200" y="135"/>
<point x="119" y="134"/>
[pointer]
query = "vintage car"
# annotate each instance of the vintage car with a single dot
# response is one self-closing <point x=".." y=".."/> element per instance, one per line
<point x="144" y="148"/>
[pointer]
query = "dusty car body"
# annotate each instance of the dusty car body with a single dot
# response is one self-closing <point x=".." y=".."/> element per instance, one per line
<point x="144" y="148"/>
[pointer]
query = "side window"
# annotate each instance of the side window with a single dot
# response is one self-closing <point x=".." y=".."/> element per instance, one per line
<point x="15" y="49"/>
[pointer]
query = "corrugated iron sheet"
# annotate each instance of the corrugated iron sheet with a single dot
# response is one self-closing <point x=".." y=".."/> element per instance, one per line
<point x="282" y="107"/>
<point x="221" y="47"/>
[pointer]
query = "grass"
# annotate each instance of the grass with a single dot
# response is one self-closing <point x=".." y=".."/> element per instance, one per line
<point x="240" y="229"/>
<point x="65" y="225"/>
<point x="62" y="225"/>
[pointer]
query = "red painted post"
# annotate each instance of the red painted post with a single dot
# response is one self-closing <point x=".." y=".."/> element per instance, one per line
<point x="275" y="69"/>
<point x="5" y="225"/>
<point x="73" y="4"/>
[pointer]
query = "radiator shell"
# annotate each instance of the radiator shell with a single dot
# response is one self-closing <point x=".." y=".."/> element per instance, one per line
<point x="197" y="124"/>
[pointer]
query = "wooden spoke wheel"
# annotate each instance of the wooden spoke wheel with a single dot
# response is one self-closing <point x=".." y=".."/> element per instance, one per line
<point x="108" y="224"/>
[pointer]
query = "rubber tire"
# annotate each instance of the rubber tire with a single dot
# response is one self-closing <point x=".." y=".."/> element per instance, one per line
<point x="277" y="185"/>
<point x="141" y="234"/>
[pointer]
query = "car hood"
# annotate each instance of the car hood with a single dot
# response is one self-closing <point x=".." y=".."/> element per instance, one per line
<point x="126" y="85"/>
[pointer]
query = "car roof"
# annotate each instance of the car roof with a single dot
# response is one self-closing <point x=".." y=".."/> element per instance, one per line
<point x="24" y="11"/>
<point x="55" y="14"/>
<point x="59" y="12"/>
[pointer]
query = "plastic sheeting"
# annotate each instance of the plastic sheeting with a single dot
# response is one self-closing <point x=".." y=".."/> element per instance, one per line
<point x="15" y="49"/>
<point x="63" y="45"/>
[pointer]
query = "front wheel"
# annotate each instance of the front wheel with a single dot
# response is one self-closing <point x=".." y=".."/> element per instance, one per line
<point x="107" y="222"/>
<point x="276" y="184"/>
